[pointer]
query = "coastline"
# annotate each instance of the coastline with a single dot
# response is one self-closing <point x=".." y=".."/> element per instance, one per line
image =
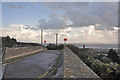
<point x="98" y="46"/>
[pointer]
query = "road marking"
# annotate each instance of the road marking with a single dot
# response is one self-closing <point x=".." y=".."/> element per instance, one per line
<point x="15" y="60"/>
<point x="42" y="75"/>
<point x="23" y="57"/>
<point x="12" y="61"/>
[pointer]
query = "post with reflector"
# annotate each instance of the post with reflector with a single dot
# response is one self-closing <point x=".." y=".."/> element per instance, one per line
<point x="65" y="39"/>
<point x="83" y="46"/>
<point x="44" y="44"/>
<point x="44" y="41"/>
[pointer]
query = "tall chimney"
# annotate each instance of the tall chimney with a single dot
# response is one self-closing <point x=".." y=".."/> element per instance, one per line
<point x="56" y="39"/>
<point x="41" y="37"/>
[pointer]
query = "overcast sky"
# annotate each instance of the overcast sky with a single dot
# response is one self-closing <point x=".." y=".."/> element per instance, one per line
<point x="80" y="22"/>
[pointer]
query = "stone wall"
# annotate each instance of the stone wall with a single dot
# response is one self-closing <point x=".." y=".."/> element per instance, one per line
<point x="17" y="51"/>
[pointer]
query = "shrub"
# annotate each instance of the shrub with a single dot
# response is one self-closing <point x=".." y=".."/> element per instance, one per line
<point x="55" y="47"/>
<point x="113" y="56"/>
<point x="104" y="70"/>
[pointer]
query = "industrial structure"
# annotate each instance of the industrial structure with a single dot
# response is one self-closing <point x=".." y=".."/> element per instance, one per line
<point x="56" y="39"/>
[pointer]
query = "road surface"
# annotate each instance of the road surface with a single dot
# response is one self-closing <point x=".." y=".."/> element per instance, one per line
<point x="31" y="67"/>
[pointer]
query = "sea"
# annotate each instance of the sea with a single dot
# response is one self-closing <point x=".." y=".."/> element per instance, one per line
<point x="97" y="46"/>
<point x="100" y="47"/>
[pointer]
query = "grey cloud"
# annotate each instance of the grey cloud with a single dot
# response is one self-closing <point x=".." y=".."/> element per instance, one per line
<point x="85" y="14"/>
<point x="103" y="27"/>
<point x="55" y="21"/>
<point x="29" y="27"/>
<point x="14" y="6"/>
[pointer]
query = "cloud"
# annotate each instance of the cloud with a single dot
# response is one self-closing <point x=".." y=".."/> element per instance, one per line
<point x="20" y="32"/>
<point x="90" y="35"/>
<point x="56" y="21"/>
<point x="103" y="27"/>
<point x="88" y="13"/>
<point x="80" y="22"/>
<point x="14" y="6"/>
<point x="21" y="26"/>
<point x="60" y="0"/>
<point x="74" y="34"/>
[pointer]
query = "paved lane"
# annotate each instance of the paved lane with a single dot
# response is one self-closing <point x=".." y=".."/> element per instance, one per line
<point x="32" y="66"/>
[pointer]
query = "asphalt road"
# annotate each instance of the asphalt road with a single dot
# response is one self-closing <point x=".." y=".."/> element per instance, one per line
<point x="31" y="67"/>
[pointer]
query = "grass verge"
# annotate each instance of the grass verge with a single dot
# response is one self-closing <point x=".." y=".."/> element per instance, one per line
<point x="56" y="64"/>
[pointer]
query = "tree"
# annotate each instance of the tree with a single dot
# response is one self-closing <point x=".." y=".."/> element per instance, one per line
<point x="113" y="55"/>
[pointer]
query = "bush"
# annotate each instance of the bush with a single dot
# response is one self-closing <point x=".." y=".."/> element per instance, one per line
<point x="113" y="56"/>
<point x="74" y="49"/>
<point x="104" y="70"/>
<point x="55" y="47"/>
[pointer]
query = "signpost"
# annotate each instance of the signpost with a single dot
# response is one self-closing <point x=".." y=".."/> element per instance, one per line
<point x="44" y="43"/>
<point x="65" y="39"/>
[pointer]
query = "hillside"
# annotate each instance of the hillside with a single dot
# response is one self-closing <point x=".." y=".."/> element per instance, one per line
<point x="11" y="42"/>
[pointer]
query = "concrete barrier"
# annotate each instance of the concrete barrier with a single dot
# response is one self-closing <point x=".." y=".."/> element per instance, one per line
<point x="74" y="67"/>
<point x="20" y="51"/>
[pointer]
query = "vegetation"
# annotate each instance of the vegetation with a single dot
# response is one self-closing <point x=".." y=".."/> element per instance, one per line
<point x="11" y="42"/>
<point x="56" y="64"/>
<point x="104" y="59"/>
<point x="82" y="53"/>
<point x="104" y="70"/>
<point x="107" y="67"/>
<point x="113" y="56"/>
<point x="55" y="47"/>
<point x="8" y="42"/>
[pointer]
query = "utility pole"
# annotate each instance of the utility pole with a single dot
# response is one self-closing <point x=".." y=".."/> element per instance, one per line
<point x="56" y="39"/>
<point x="41" y="37"/>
